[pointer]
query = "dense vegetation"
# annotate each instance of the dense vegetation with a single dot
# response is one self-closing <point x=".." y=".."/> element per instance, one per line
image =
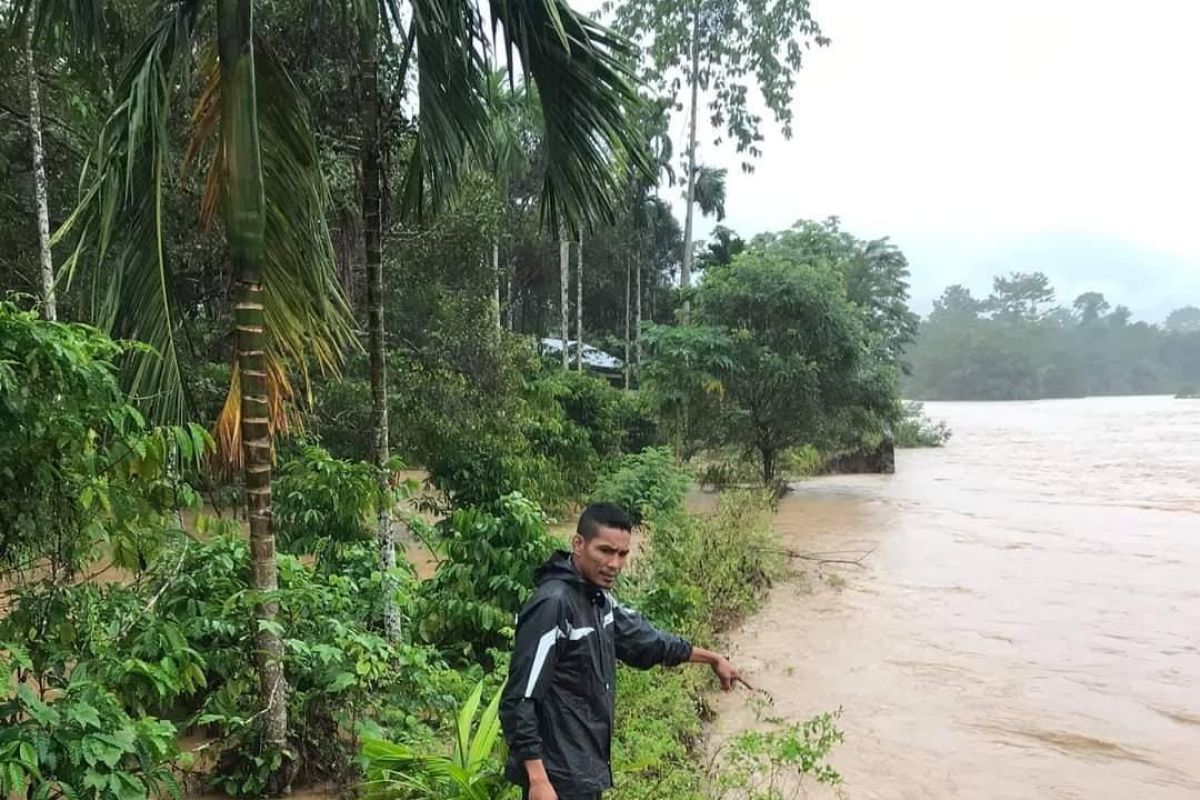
<point x="1018" y="344"/>
<point x="204" y="428"/>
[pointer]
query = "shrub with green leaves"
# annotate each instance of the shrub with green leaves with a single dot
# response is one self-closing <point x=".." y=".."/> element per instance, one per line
<point x="699" y="574"/>
<point x="645" y="484"/>
<point x="485" y="572"/>
<point x="78" y="740"/>
<point x="342" y="672"/>
<point x="180" y="645"/>
<point x="916" y="429"/>
<point x="473" y="770"/>
<point x="79" y="467"/>
<point x="771" y="765"/>
<point x="322" y="502"/>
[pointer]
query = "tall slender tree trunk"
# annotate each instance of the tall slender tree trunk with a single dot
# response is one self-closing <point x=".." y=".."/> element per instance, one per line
<point x="637" y="328"/>
<point x="579" y="305"/>
<point x="564" y="300"/>
<point x="244" y="225"/>
<point x="685" y="272"/>
<point x="368" y="58"/>
<point x="628" y="366"/>
<point x="496" y="287"/>
<point x="508" y="295"/>
<point x="768" y="465"/>
<point x="49" y="303"/>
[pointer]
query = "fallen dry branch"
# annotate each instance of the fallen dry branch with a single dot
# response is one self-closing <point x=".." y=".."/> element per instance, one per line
<point x="829" y="556"/>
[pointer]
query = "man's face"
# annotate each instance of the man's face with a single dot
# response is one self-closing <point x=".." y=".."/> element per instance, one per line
<point x="601" y="559"/>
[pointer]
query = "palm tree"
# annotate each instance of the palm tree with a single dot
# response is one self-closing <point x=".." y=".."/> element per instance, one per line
<point x="370" y="156"/>
<point x="564" y="296"/>
<point x="710" y="191"/>
<point x="263" y="174"/>
<point x="706" y="188"/>
<point x="49" y="306"/>
<point x="709" y="194"/>
<point x="579" y="304"/>
<point x="510" y="111"/>
<point x="578" y="69"/>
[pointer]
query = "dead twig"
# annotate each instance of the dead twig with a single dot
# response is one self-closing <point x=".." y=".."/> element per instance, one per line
<point x="824" y="557"/>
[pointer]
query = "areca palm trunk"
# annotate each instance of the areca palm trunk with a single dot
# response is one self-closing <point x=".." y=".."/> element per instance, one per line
<point x="372" y="247"/>
<point x="508" y="295"/>
<point x="637" y="327"/>
<point x="496" y="286"/>
<point x="564" y="299"/>
<point x="627" y="309"/>
<point x="245" y="218"/>
<point x="685" y="270"/>
<point x="579" y="305"/>
<point x="49" y="305"/>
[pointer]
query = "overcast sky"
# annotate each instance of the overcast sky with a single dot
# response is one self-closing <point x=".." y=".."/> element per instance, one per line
<point x="983" y="137"/>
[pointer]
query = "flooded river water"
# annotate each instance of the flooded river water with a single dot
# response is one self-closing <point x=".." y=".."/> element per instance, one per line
<point x="1027" y="624"/>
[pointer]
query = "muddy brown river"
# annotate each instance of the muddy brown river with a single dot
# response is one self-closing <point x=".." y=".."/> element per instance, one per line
<point x="1027" y="624"/>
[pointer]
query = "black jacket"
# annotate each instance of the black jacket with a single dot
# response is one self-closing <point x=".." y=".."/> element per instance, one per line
<point x="558" y="702"/>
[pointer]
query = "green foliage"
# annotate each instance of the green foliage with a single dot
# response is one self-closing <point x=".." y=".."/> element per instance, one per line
<point x="342" y="672"/>
<point x="341" y="418"/>
<point x="473" y="771"/>
<point x="778" y="356"/>
<point x="740" y="45"/>
<point x="80" y="469"/>
<point x="720" y="469"/>
<point x="616" y="421"/>
<point x="757" y="765"/>
<point x="78" y="740"/>
<point x="1185" y="319"/>
<point x="801" y="462"/>
<point x="916" y="429"/>
<point x="180" y="645"/>
<point x="485" y="572"/>
<point x="1015" y="345"/>
<point x="875" y="272"/>
<point x="698" y="575"/>
<point x="646" y="484"/>
<point x="657" y="734"/>
<point x="323" y="502"/>
<point x="474" y="413"/>
<point x="509" y="423"/>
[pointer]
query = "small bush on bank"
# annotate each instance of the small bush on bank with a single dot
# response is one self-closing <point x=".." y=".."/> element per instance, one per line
<point x="486" y="572"/>
<point x="915" y="429"/>
<point x="698" y="575"/>
<point x="646" y="484"/>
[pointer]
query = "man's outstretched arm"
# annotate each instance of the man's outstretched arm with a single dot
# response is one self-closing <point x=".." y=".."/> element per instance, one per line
<point x="726" y="672"/>
<point x="641" y="645"/>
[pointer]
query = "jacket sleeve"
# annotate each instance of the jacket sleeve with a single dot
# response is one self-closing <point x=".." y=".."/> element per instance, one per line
<point x="641" y="645"/>
<point x="540" y="625"/>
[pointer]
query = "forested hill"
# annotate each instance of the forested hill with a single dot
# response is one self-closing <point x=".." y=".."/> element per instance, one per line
<point x="1020" y="344"/>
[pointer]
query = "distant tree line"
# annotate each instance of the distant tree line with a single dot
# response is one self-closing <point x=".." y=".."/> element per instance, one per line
<point x="1019" y="344"/>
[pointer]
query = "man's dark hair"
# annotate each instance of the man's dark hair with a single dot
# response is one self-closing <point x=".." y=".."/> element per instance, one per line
<point x="602" y="515"/>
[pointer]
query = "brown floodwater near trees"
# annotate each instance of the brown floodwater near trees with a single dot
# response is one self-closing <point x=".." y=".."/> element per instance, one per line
<point x="1027" y="624"/>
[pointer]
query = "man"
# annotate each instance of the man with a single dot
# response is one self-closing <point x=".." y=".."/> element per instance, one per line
<point x="557" y="709"/>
